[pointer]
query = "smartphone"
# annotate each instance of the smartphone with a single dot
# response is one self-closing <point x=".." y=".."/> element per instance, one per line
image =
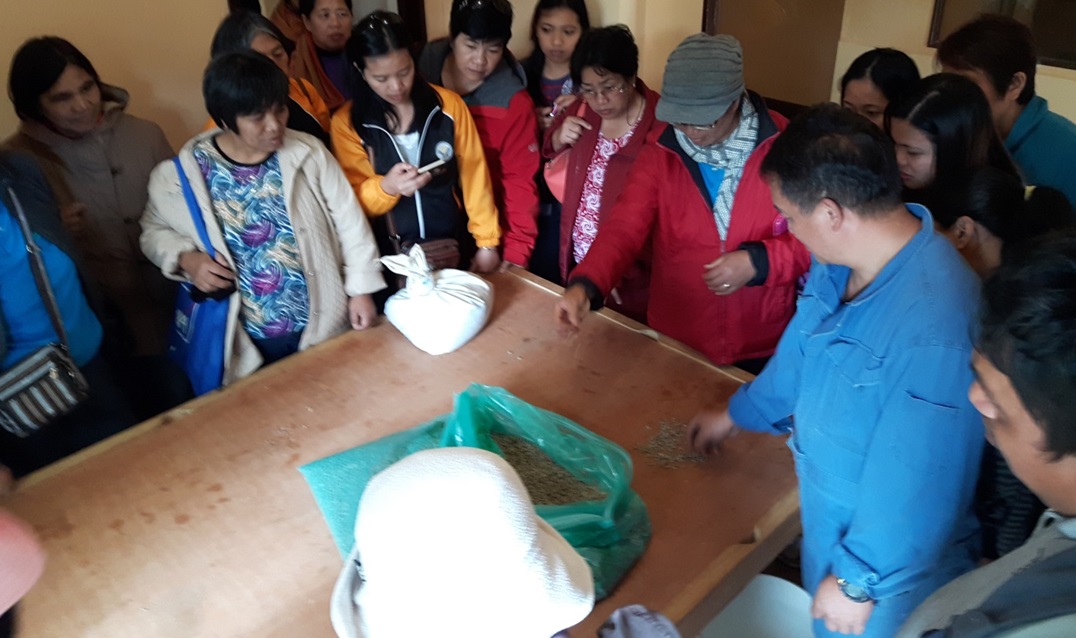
<point x="431" y="166"/>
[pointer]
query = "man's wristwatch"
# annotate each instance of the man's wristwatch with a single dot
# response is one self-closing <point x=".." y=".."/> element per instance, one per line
<point x="852" y="592"/>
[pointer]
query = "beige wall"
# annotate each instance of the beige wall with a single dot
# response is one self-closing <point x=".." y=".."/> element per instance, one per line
<point x="789" y="45"/>
<point x="657" y="27"/>
<point x="905" y="25"/>
<point x="156" y="50"/>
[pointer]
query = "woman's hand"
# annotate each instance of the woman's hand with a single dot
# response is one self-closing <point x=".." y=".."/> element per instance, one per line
<point x="545" y="117"/>
<point x="564" y="101"/>
<point x="207" y="274"/>
<point x="570" y="132"/>
<point x="73" y="216"/>
<point x="485" y="260"/>
<point x="361" y="311"/>
<point x="570" y="310"/>
<point x="404" y="179"/>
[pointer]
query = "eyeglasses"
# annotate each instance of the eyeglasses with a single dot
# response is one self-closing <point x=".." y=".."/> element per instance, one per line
<point x="735" y="106"/>
<point x="694" y="127"/>
<point x="604" y="92"/>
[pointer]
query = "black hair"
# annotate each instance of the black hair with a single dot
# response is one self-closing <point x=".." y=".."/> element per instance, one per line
<point x="1027" y="324"/>
<point x="828" y="151"/>
<point x="242" y="83"/>
<point x="1000" y="203"/>
<point x="953" y="113"/>
<point x="306" y="7"/>
<point x="892" y="71"/>
<point x="381" y="33"/>
<point x="997" y="45"/>
<point x="244" y="5"/>
<point x="606" y="50"/>
<point x="238" y="30"/>
<point x="35" y="67"/>
<point x="481" y="20"/>
<point x="535" y="63"/>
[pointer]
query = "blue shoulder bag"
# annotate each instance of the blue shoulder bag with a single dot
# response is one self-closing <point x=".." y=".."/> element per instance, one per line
<point x="196" y="342"/>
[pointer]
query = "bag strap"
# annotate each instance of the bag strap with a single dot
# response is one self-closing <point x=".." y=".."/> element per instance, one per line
<point x="37" y="265"/>
<point x="196" y="211"/>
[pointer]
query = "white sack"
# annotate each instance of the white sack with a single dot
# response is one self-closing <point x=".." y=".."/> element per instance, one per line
<point x="438" y="311"/>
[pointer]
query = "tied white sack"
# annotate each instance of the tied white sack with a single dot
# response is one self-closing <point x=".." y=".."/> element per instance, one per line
<point x="440" y="310"/>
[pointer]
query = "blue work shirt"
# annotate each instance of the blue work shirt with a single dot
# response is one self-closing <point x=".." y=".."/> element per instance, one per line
<point x="886" y="443"/>
<point x="25" y="314"/>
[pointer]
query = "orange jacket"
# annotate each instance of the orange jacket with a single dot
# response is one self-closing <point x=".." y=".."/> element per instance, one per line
<point x="306" y="65"/>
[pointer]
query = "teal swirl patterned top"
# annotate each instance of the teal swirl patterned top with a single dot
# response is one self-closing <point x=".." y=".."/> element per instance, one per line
<point x="248" y="202"/>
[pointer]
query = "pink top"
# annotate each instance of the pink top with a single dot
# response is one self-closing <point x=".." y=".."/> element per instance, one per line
<point x="586" y="219"/>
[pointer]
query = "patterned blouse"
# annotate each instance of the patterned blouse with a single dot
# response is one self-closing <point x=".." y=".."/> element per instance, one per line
<point x="590" y="204"/>
<point x="248" y="201"/>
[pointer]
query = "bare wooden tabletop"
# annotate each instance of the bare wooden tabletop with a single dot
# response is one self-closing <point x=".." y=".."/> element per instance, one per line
<point x="197" y="523"/>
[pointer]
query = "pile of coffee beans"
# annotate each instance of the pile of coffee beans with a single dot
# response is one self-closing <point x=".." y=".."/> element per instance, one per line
<point x="669" y="448"/>
<point x="546" y="481"/>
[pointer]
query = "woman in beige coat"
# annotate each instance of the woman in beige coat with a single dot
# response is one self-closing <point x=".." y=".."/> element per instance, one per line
<point x="289" y="236"/>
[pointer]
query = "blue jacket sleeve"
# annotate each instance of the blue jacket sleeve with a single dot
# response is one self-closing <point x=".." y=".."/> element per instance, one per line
<point x="766" y="403"/>
<point x="919" y="476"/>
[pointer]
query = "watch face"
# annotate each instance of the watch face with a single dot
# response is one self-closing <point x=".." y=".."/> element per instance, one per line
<point x="852" y="592"/>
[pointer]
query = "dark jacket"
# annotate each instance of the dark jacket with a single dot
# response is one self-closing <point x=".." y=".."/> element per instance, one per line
<point x="367" y="154"/>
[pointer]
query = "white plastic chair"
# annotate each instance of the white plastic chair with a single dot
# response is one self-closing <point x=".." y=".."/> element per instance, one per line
<point x="769" y="607"/>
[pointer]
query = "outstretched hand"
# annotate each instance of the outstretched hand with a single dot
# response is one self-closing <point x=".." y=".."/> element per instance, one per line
<point x="570" y="310"/>
<point x="709" y="429"/>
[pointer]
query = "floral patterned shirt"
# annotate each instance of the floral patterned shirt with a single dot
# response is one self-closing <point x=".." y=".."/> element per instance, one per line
<point x="248" y="202"/>
<point x="586" y="218"/>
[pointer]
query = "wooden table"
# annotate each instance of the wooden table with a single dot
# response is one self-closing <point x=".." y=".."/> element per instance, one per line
<point x="197" y="523"/>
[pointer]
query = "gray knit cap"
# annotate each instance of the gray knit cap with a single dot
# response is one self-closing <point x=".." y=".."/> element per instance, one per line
<point x="703" y="75"/>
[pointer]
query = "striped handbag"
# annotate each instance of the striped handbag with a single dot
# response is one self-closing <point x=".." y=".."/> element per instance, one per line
<point x="46" y="384"/>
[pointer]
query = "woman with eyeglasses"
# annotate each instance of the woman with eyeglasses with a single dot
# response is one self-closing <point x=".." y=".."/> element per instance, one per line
<point x="397" y="126"/>
<point x="475" y="63"/>
<point x="603" y="134"/>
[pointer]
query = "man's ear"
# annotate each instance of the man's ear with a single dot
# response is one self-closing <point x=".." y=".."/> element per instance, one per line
<point x="834" y="212"/>
<point x="964" y="232"/>
<point x="1016" y="86"/>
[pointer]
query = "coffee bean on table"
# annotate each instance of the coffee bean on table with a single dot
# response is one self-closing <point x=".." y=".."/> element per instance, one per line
<point x="669" y="448"/>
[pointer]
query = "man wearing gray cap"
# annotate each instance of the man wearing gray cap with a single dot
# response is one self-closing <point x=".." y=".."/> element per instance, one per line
<point x="725" y="269"/>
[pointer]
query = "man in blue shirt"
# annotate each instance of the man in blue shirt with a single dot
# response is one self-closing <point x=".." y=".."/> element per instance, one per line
<point x="1025" y="388"/>
<point x="998" y="54"/>
<point x="871" y="378"/>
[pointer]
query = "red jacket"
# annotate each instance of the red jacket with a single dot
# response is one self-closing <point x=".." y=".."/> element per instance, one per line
<point x="633" y="287"/>
<point x="666" y="201"/>
<point x="503" y="112"/>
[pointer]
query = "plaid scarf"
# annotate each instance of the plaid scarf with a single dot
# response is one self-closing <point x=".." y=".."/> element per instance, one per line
<point x="730" y="155"/>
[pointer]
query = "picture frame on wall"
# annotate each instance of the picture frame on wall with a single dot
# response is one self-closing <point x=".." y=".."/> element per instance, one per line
<point x="1052" y="22"/>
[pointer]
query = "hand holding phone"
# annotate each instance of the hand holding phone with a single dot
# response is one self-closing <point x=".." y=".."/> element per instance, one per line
<point x="422" y="170"/>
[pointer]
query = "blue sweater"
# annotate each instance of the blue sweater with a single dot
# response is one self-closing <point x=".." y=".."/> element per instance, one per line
<point x="24" y="311"/>
<point x="1044" y="146"/>
<point x="886" y="443"/>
